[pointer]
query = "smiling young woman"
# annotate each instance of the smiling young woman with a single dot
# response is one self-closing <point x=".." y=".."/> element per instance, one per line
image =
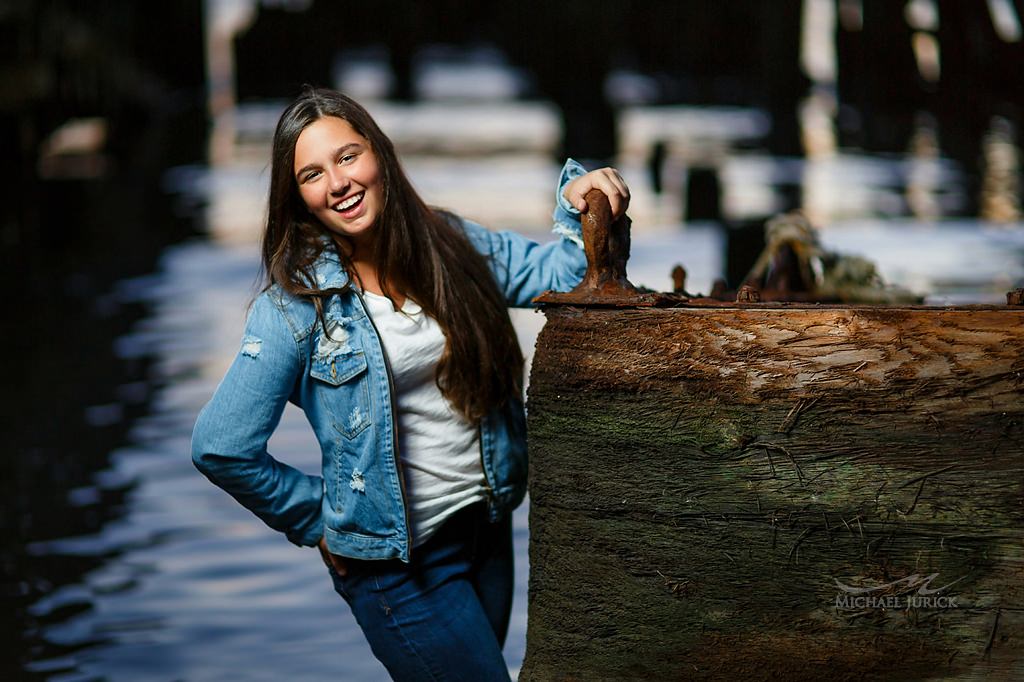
<point x="386" y="321"/>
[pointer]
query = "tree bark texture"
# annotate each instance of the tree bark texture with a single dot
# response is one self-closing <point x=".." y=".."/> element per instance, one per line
<point x="701" y="478"/>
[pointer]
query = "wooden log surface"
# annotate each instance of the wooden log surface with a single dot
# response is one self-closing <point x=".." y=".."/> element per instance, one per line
<point x="700" y="479"/>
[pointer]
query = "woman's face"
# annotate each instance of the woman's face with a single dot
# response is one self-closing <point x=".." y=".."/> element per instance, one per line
<point x="339" y="178"/>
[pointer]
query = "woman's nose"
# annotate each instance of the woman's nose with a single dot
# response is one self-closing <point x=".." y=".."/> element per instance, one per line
<point x="338" y="180"/>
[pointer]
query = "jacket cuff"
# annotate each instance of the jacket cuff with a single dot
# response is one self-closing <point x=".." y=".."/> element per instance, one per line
<point x="309" y="531"/>
<point x="566" y="217"/>
<point x="307" y="537"/>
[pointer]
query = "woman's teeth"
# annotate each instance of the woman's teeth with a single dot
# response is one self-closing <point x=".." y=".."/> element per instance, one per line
<point x="350" y="202"/>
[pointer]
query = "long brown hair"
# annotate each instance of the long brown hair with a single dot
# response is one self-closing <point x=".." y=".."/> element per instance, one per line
<point x="421" y="249"/>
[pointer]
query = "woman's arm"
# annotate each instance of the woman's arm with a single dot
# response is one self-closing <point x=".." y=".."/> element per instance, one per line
<point x="525" y="269"/>
<point x="229" y="443"/>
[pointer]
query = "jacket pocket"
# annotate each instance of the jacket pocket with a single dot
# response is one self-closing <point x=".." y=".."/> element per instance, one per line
<point x="337" y="369"/>
<point x="344" y="391"/>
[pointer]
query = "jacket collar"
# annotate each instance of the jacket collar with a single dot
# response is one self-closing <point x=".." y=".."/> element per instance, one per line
<point x="328" y="270"/>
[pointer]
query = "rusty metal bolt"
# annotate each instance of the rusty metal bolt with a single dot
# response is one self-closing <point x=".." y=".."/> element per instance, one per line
<point x="1015" y="297"/>
<point x="679" y="279"/>
<point x="606" y="244"/>
<point x="748" y="294"/>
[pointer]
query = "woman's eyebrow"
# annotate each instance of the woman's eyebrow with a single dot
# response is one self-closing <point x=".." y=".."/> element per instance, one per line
<point x="340" y="150"/>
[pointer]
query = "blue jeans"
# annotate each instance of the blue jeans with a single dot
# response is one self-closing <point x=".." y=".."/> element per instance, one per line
<point x="444" y="615"/>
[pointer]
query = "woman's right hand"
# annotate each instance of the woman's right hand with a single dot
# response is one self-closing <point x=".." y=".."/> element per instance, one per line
<point x="608" y="181"/>
<point x="332" y="560"/>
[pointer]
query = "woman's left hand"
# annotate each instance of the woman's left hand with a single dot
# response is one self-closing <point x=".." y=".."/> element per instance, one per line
<point x="608" y="181"/>
<point x="332" y="560"/>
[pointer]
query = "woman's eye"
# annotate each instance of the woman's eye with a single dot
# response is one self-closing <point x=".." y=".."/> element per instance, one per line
<point x="310" y="176"/>
<point x="347" y="157"/>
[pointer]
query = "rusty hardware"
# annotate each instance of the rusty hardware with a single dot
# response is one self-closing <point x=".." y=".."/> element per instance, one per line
<point x="679" y="280"/>
<point x="1015" y="297"/>
<point x="748" y="294"/>
<point x="606" y="244"/>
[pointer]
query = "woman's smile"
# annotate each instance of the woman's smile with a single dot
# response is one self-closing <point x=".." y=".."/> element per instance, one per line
<point x="345" y="207"/>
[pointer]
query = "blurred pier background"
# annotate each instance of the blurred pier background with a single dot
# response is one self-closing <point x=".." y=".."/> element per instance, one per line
<point x="138" y="137"/>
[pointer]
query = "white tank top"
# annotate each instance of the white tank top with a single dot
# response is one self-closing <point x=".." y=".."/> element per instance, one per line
<point x="439" y="449"/>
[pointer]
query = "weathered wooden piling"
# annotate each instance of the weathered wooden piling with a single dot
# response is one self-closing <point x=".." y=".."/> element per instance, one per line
<point x="776" y="491"/>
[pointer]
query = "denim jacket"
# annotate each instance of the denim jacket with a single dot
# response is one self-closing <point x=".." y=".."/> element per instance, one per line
<point x="340" y="378"/>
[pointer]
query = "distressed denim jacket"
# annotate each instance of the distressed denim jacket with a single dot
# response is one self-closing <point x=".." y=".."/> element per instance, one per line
<point x="339" y="376"/>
